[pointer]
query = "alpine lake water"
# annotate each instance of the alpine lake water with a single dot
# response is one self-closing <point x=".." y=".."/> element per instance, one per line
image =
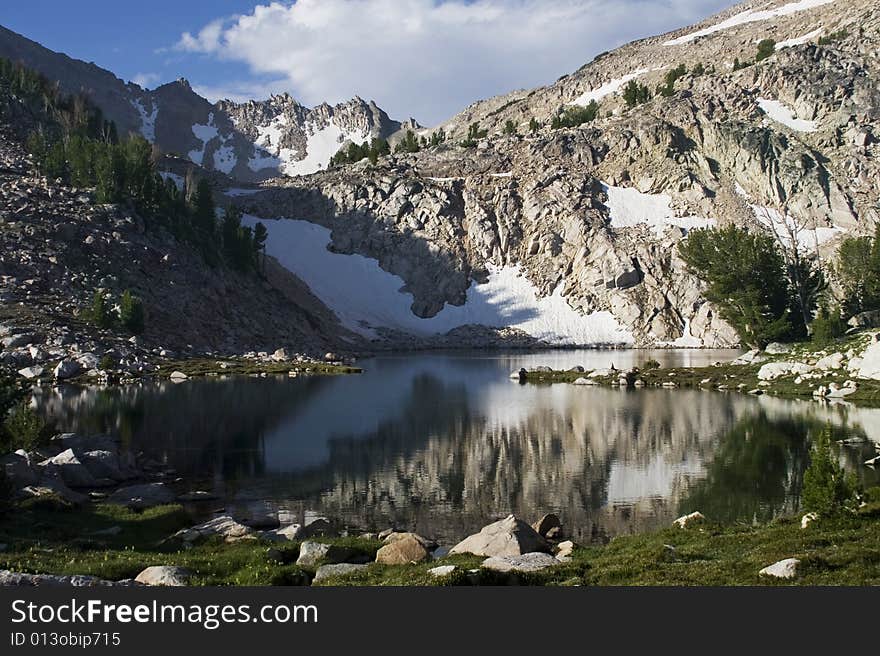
<point x="443" y="443"/>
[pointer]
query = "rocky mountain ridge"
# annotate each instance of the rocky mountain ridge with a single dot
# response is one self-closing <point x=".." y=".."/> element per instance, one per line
<point x="250" y="141"/>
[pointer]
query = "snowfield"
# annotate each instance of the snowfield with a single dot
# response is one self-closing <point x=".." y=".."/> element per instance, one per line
<point x="809" y="239"/>
<point x="749" y="16"/>
<point x="365" y="297"/>
<point x="606" y="89"/>
<point x="800" y="40"/>
<point x="203" y="133"/>
<point x="782" y="114"/>
<point x="322" y="144"/>
<point x="629" y="207"/>
<point x="148" y="121"/>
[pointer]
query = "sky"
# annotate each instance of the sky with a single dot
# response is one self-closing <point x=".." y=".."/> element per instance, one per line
<point x="422" y="58"/>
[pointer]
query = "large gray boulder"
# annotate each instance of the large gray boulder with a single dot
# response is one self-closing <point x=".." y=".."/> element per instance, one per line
<point x="312" y="553"/>
<point x="138" y="497"/>
<point x="340" y="569"/>
<point x="165" y="575"/>
<point x="73" y="472"/>
<point x="225" y="527"/>
<point x="66" y="369"/>
<point x="784" y="569"/>
<point x="528" y="562"/>
<point x="507" y="537"/>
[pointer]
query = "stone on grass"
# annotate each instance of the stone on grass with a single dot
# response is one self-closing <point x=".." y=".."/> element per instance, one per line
<point x="442" y="570"/>
<point x="138" y="497"/>
<point x="687" y="521"/>
<point x="425" y="542"/>
<point x="166" y="575"/>
<point x="312" y="553"/>
<point x="225" y="527"/>
<point x="31" y="372"/>
<point x="808" y="519"/>
<point x="340" y="569"/>
<point x="506" y="537"/>
<point x="527" y="562"/>
<point x="402" y="552"/>
<point x="285" y="534"/>
<point x="784" y="569"/>
<point x="549" y="526"/>
<point x="564" y="551"/>
<point x="20" y="579"/>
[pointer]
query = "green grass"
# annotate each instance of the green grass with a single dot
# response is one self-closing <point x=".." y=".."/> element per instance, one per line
<point x="49" y="537"/>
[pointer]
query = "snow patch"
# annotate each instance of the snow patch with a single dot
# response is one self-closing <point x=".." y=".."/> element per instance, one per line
<point x="178" y="179"/>
<point x="606" y="89"/>
<point x="148" y="121"/>
<point x="203" y="133"/>
<point x="365" y="297"/>
<point x="629" y="207"/>
<point x="800" y="40"/>
<point x="782" y="114"/>
<point x="321" y="145"/>
<point x="808" y="238"/>
<point x="749" y="16"/>
<point x="225" y="159"/>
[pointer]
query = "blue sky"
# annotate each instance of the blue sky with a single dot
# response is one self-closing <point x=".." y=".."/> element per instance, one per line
<point x="421" y="58"/>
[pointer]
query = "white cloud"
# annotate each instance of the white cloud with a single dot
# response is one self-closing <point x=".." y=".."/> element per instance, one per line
<point x="426" y="58"/>
<point x="146" y="80"/>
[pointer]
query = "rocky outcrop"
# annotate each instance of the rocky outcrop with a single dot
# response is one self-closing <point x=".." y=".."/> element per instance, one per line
<point x="507" y="537"/>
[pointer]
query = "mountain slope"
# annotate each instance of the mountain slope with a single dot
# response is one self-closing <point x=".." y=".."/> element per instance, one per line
<point x="253" y="141"/>
<point x="594" y="213"/>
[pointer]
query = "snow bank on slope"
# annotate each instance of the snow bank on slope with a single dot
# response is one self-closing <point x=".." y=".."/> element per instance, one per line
<point x="808" y="239"/>
<point x="322" y="144"/>
<point x="800" y="40"/>
<point x="782" y="114"/>
<point x="629" y="207"/>
<point x="749" y="16"/>
<point x="203" y="133"/>
<point x="606" y="89"/>
<point x="366" y="297"/>
<point x="148" y="121"/>
<point x="225" y="159"/>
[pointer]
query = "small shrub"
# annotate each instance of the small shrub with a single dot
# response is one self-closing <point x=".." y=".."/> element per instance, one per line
<point x="650" y="364"/>
<point x="827" y="326"/>
<point x="100" y="313"/>
<point x="131" y="313"/>
<point x="106" y="363"/>
<point x="24" y="429"/>
<point x="636" y="94"/>
<point x="766" y="47"/>
<point x="575" y="116"/>
<point x="828" y="39"/>
<point x="509" y="127"/>
<point x="827" y="490"/>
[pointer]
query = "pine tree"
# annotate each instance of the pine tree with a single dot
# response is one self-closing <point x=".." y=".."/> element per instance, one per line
<point x="100" y="313"/>
<point x="204" y="213"/>
<point x="131" y="313"/>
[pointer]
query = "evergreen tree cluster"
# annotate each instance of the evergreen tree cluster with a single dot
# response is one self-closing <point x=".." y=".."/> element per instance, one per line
<point x="410" y="143"/>
<point x="766" y="47"/>
<point x="636" y="94"/>
<point x="834" y="37"/>
<point x="128" y="314"/>
<point x="474" y="135"/>
<point x="575" y="116"/>
<point x="509" y="127"/>
<point x="72" y="142"/>
<point x="356" y="152"/>
<point x="668" y="87"/>
<point x="760" y="294"/>
<point x="858" y="270"/>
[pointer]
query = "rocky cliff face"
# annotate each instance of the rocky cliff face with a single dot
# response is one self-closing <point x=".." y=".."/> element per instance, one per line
<point x="566" y="235"/>
<point x="594" y="212"/>
<point x="251" y="141"/>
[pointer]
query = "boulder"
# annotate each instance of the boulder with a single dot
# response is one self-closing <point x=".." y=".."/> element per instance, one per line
<point x="584" y="381"/>
<point x="750" y="357"/>
<point x="687" y="521"/>
<point x="868" y="364"/>
<point x="774" y="370"/>
<point x="868" y="319"/>
<point x="178" y="377"/>
<point x="224" y="527"/>
<point x="829" y="362"/>
<point x="507" y="537"/>
<point x="280" y="355"/>
<point x="66" y="369"/>
<point x="288" y="533"/>
<point x="196" y="495"/>
<point x="564" y="551"/>
<point x="808" y="519"/>
<point x="527" y="562"/>
<point x="340" y="569"/>
<point x="166" y="575"/>
<point x="784" y="569"/>
<point x="442" y="570"/>
<point x="31" y="372"/>
<point x="106" y="464"/>
<point x="549" y="526"/>
<point x="402" y="552"/>
<point x="425" y="542"/>
<point x="18" y="469"/>
<point x="142" y="496"/>
<point x="312" y="553"/>
<point x="777" y="348"/>
<point x="19" y="579"/>
<point x="73" y="472"/>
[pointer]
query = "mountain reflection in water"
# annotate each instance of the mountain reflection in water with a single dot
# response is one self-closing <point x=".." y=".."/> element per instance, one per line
<point x="443" y="443"/>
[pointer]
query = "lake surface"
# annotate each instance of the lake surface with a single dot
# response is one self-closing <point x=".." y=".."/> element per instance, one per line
<point x="442" y="443"/>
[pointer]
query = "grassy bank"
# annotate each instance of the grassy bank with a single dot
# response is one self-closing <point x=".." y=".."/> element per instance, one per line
<point x="727" y="376"/>
<point x="44" y="538"/>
